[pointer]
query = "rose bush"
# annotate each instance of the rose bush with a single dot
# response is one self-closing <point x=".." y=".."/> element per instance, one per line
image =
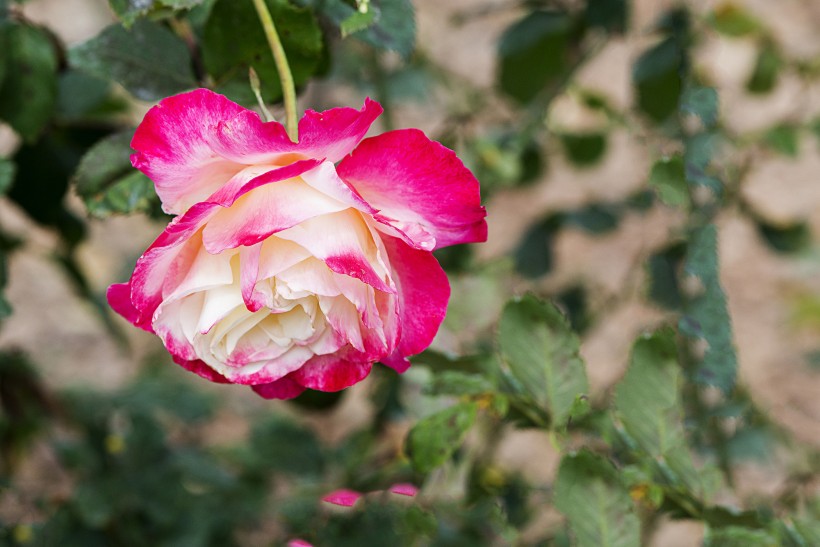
<point x="294" y="265"/>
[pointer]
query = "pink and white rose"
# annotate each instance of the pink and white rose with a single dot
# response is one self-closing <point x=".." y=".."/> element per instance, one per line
<point x="294" y="265"/>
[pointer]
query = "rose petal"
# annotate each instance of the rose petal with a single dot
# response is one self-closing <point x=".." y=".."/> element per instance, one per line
<point x="299" y="543"/>
<point x="343" y="497"/>
<point x="284" y="388"/>
<point x="421" y="189"/>
<point x="423" y="294"/>
<point x="330" y="373"/>
<point x="405" y="489"/>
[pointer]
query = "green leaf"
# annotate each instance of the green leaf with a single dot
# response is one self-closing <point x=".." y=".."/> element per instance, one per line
<point x="7" y="171"/>
<point x="27" y="98"/>
<point x="706" y="315"/>
<point x="109" y="184"/>
<point x="697" y="157"/>
<point x="234" y="41"/>
<point x="533" y="53"/>
<point x="541" y="353"/>
<point x="281" y="445"/>
<point x="533" y="256"/>
<point x="609" y="15"/>
<point x="598" y="509"/>
<point x="357" y="21"/>
<point x="735" y="536"/>
<point x="767" y="69"/>
<point x="393" y="25"/>
<point x="663" y="268"/>
<point x="668" y="178"/>
<point x="584" y="149"/>
<point x="148" y="60"/>
<point x="649" y="406"/>
<point x="130" y="10"/>
<point x="702" y="102"/>
<point x="732" y="20"/>
<point x="597" y="218"/>
<point x="81" y="96"/>
<point x="657" y="77"/>
<point x="784" y="139"/>
<point x="453" y="382"/>
<point x="434" y="439"/>
<point x="785" y="238"/>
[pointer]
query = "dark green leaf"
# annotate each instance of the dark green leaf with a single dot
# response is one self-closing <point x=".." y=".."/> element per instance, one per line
<point x="785" y="239"/>
<point x="668" y="178"/>
<point x="657" y="76"/>
<point x="533" y="53"/>
<point x="584" y="149"/>
<point x="733" y="20"/>
<point x="83" y="97"/>
<point x="706" y="315"/>
<point x="598" y="218"/>
<point x="702" y="102"/>
<point x="649" y="406"/>
<point x="281" y="445"/>
<point x="148" y="60"/>
<point x="573" y="301"/>
<point x="533" y="256"/>
<point x="609" y="15"/>
<point x="767" y="69"/>
<point x="784" y="139"/>
<point x="599" y="510"/>
<point x="541" y="354"/>
<point x="7" y="170"/>
<point x="28" y="95"/>
<point x="234" y="41"/>
<point x="109" y="184"/>
<point x="663" y="268"/>
<point x="434" y="439"/>
<point x="393" y="25"/>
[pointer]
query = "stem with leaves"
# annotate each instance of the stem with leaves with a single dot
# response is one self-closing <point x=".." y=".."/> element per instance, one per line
<point x="281" y="60"/>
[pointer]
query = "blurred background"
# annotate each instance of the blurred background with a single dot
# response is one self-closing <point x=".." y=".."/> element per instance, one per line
<point x="566" y="126"/>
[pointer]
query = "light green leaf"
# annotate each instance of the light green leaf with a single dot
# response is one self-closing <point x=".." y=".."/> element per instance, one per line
<point x="107" y="182"/>
<point x="732" y="20"/>
<point x="234" y="41"/>
<point x="706" y="315"/>
<point x="435" y="438"/>
<point x="649" y="406"/>
<point x="541" y="353"/>
<point x="767" y="69"/>
<point x="736" y="536"/>
<point x="784" y="139"/>
<point x="357" y="21"/>
<point x="597" y="507"/>
<point x="29" y="92"/>
<point x="668" y="177"/>
<point x="148" y="60"/>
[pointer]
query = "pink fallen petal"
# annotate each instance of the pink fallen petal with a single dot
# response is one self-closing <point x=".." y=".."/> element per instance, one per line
<point x="299" y="543"/>
<point x="405" y="489"/>
<point x="343" y="497"/>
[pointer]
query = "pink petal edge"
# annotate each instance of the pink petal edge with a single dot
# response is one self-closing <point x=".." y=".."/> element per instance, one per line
<point x="343" y="497"/>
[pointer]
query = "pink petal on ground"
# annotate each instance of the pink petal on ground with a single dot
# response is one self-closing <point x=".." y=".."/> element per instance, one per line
<point x="405" y="489"/>
<point x="422" y="190"/>
<point x="423" y="294"/>
<point x="343" y="497"/>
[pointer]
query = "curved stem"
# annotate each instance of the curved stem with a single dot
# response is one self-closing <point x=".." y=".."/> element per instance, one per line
<point x="281" y="60"/>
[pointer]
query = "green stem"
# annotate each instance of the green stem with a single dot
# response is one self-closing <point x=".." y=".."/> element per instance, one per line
<point x="285" y="76"/>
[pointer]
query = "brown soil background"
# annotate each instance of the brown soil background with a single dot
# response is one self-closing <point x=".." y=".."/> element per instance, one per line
<point x="67" y="341"/>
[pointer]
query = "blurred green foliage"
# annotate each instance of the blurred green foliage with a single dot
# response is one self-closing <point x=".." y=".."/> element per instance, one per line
<point x="141" y="464"/>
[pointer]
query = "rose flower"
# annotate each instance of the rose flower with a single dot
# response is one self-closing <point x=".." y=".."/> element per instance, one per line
<point x="294" y="265"/>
